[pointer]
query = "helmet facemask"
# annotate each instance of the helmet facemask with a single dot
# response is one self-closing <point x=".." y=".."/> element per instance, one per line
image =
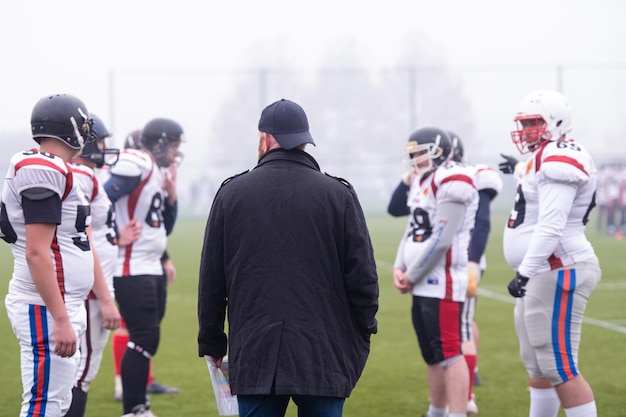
<point x="531" y="131"/>
<point x="99" y="154"/>
<point x="166" y="152"/>
<point x="82" y="129"/>
<point x="420" y="157"/>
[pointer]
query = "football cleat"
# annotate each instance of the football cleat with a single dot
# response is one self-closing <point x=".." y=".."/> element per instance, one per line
<point x="158" y="388"/>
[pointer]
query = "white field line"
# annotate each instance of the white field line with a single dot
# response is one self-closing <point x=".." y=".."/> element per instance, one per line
<point x="594" y="322"/>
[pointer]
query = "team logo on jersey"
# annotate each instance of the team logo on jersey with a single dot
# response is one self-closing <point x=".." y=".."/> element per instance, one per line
<point x="529" y="165"/>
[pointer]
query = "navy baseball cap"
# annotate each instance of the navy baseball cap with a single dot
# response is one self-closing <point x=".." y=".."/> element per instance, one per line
<point x="287" y="122"/>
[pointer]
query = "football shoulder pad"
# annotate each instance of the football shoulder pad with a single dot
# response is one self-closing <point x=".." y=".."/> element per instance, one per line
<point x="565" y="162"/>
<point x="487" y="178"/>
<point x="36" y="170"/>
<point x="454" y="183"/>
<point x="132" y="163"/>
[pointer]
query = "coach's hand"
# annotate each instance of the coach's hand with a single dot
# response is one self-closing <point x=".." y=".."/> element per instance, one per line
<point x="508" y="166"/>
<point x="517" y="286"/>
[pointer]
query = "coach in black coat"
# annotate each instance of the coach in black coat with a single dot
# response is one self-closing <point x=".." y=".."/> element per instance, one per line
<point x="287" y="252"/>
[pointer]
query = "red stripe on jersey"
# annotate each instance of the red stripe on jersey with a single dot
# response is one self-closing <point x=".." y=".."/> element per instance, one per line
<point x="37" y="161"/>
<point x="133" y="199"/>
<point x="484" y="169"/>
<point x="555" y="263"/>
<point x="88" y="351"/>
<point x="127" y="252"/>
<point x="448" y="295"/>
<point x="69" y="182"/>
<point x="458" y="177"/>
<point x="58" y="261"/>
<point x="567" y="160"/>
<point x="94" y="189"/>
<point x="434" y="187"/>
<point x="455" y="177"/>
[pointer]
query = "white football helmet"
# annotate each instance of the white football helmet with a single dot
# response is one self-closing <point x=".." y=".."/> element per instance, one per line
<point x="542" y="116"/>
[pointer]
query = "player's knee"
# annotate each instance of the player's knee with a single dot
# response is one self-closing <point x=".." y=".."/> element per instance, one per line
<point x="554" y="372"/>
<point x="147" y="340"/>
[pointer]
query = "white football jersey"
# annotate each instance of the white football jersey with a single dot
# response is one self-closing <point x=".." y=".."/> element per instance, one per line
<point x="451" y="182"/>
<point x="102" y="220"/>
<point x="546" y="227"/>
<point x="146" y="203"/>
<point x="70" y="251"/>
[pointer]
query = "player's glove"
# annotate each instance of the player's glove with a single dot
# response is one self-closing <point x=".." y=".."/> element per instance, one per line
<point x="517" y="286"/>
<point x="473" y="276"/>
<point x="508" y="166"/>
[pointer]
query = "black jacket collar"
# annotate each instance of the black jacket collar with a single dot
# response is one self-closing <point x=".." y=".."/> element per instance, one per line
<point x="292" y="155"/>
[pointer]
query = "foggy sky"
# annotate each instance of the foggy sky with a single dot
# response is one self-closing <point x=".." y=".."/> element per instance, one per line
<point x="115" y="54"/>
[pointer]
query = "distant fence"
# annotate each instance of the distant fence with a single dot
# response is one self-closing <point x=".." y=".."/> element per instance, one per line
<point x="361" y="118"/>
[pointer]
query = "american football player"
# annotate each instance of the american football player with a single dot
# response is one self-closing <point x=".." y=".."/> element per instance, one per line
<point x="44" y="217"/>
<point x="431" y="263"/>
<point x="556" y="268"/>
<point x="141" y="189"/>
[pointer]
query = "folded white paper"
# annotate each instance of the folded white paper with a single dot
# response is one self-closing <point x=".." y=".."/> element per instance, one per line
<point x="226" y="402"/>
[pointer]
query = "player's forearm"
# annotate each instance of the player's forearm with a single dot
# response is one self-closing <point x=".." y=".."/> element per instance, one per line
<point x="450" y="215"/>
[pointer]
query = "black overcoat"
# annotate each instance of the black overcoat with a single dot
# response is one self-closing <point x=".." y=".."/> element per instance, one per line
<point x="288" y="255"/>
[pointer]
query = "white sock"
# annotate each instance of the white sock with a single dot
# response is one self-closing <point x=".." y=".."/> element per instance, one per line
<point x="543" y="402"/>
<point x="436" y="411"/>
<point x="585" y="410"/>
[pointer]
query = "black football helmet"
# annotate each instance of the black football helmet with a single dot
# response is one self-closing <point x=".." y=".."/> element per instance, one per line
<point x="158" y="136"/>
<point x="457" y="147"/>
<point x="63" y="117"/>
<point x="133" y="140"/>
<point x="97" y="151"/>
<point x="428" y="148"/>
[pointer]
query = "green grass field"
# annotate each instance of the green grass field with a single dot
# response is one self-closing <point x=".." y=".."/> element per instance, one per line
<point x="394" y="382"/>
